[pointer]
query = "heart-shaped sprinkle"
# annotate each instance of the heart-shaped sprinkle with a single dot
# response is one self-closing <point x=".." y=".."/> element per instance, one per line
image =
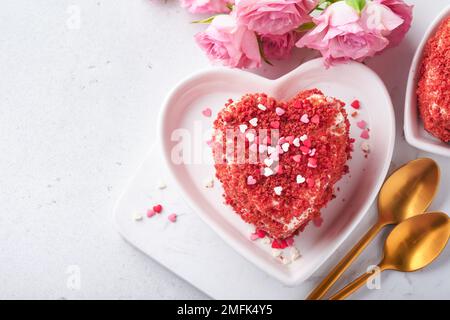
<point x="275" y="124"/>
<point x="365" y="134"/>
<point x="356" y="104"/>
<point x="300" y="179"/>
<point x="278" y="190"/>
<point x="251" y="181"/>
<point x="254" y="237"/>
<point x="290" y="139"/>
<point x="268" y="172"/>
<point x="262" y="148"/>
<point x="307" y="143"/>
<point x="254" y="122"/>
<point x="158" y="208"/>
<point x="315" y="119"/>
<point x="280" y="150"/>
<point x="295" y="254"/>
<point x="296" y="142"/>
<point x="267" y="140"/>
<point x="304" y="118"/>
<point x="303" y="138"/>
<point x="304" y="149"/>
<point x="261" y="234"/>
<point x="172" y="217"/>
<point x="279" y="111"/>
<point x="243" y="128"/>
<point x="279" y="169"/>
<point x="250" y="136"/>
<point x="137" y="217"/>
<point x="312" y="162"/>
<point x="150" y="213"/>
<point x="312" y="152"/>
<point x="361" y="124"/>
<point x="253" y="147"/>
<point x="365" y="146"/>
<point x="285" y="147"/>
<point x="262" y="107"/>
<point x="281" y="140"/>
<point x="297" y="158"/>
<point x="268" y="162"/>
<point x="207" y="112"/>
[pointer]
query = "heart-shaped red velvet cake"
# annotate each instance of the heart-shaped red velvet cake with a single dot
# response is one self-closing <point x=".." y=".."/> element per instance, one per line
<point x="278" y="161"/>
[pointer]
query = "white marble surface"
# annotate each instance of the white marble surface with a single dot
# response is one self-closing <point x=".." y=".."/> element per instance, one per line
<point x="78" y="114"/>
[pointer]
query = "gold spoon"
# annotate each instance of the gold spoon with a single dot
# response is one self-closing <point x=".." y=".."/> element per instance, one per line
<point x="406" y="193"/>
<point x="411" y="246"/>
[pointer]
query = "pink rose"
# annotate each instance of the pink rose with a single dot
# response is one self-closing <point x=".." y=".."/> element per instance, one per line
<point x="342" y="33"/>
<point x="404" y="11"/>
<point x="207" y="6"/>
<point x="278" y="46"/>
<point x="230" y="44"/>
<point x="274" y="16"/>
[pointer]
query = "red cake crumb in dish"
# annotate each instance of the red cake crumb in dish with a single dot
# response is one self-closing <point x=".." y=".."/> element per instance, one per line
<point x="434" y="84"/>
<point x="293" y="176"/>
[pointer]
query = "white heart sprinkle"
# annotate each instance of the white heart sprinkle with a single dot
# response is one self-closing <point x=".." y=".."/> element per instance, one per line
<point x="262" y="107"/>
<point x="278" y="190"/>
<point x="279" y="111"/>
<point x="268" y="162"/>
<point x="161" y="185"/>
<point x="254" y="122"/>
<point x="312" y="152"/>
<point x="303" y="138"/>
<point x="268" y="172"/>
<point x="271" y="149"/>
<point x="296" y="142"/>
<point x="295" y="254"/>
<point x="262" y="148"/>
<point x="137" y="217"/>
<point x="250" y="137"/>
<point x="300" y="179"/>
<point x="304" y="118"/>
<point x="285" y="147"/>
<point x="243" y="128"/>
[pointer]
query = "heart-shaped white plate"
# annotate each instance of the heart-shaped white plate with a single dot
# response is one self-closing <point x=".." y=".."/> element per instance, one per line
<point x="182" y="120"/>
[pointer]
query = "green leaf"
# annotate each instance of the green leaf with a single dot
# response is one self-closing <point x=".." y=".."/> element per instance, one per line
<point x="204" y="21"/>
<point x="306" y="26"/>
<point x="358" y="5"/>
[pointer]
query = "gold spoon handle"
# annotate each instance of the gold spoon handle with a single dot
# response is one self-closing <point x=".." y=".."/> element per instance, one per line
<point x="340" y="268"/>
<point x="352" y="287"/>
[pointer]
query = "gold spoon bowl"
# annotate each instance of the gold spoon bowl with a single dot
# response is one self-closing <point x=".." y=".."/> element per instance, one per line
<point x="412" y="245"/>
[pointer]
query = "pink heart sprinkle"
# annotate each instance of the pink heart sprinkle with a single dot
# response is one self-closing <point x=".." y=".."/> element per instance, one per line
<point x="365" y="134"/>
<point x="261" y="234"/>
<point x="254" y="237"/>
<point x="361" y="124"/>
<point x="304" y="118"/>
<point x="315" y="119"/>
<point x="312" y="162"/>
<point x="251" y="181"/>
<point x="172" y="217"/>
<point x="307" y="143"/>
<point x="253" y="147"/>
<point x="297" y="158"/>
<point x="207" y="112"/>
<point x="282" y="140"/>
<point x="279" y="169"/>
<point x="275" y="124"/>
<point x="290" y="139"/>
<point x="279" y="111"/>
<point x="150" y="213"/>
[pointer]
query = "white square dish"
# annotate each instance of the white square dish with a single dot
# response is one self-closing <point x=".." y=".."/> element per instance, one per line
<point x="415" y="133"/>
<point x="183" y="110"/>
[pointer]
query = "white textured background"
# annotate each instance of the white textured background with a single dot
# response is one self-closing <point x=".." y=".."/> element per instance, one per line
<point x="77" y="114"/>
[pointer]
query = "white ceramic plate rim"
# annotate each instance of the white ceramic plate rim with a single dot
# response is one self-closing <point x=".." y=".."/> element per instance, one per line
<point x="234" y="243"/>
<point x="411" y="117"/>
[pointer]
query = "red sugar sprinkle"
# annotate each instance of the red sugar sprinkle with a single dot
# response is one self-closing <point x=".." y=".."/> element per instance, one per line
<point x="260" y="233"/>
<point x="290" y="241"/>
<point x="304" y="149"/>
<point x="279" y="244"/>
<point x="158" y="208"/>
<point x="356" y="104"/>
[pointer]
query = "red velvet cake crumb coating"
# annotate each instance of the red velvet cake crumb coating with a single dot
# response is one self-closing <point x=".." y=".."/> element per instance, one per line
<point x="280" y="198"/>
<point x="434" y="84"/>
